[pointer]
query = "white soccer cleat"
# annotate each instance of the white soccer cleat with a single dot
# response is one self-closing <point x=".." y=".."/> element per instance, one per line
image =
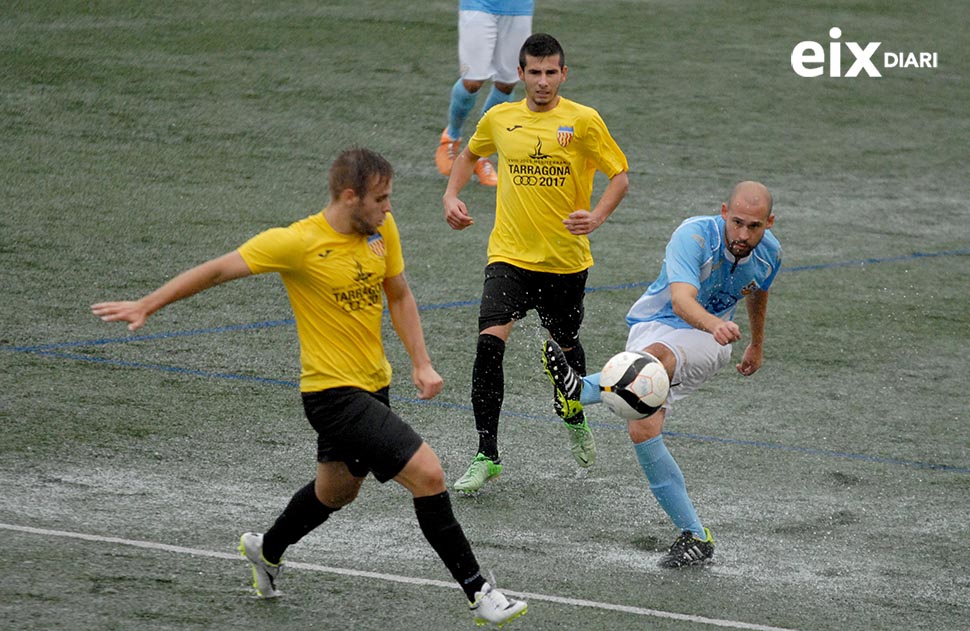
<point x="265" y="574"/>
<point x="491" y="606"/>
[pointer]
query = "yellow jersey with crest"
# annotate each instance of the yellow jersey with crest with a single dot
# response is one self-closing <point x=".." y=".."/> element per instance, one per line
<point x="546" y="165"/>
<point x="335" y="285"/>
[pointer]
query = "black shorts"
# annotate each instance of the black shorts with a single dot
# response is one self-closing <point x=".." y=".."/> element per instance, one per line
<point x="358" y="428"/>
<point x="509" y="292"/>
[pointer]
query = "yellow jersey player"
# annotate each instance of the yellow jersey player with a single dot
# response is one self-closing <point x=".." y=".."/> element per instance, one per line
<point x="337" y="267"/>
<point x="549" y="149"/>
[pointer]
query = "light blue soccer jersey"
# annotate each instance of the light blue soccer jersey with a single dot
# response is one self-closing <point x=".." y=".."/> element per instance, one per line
<point x="498" y="7"/>
<point x="696" y="254"/>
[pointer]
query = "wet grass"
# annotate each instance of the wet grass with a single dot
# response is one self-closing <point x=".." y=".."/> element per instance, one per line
<point x="141" y="139"/>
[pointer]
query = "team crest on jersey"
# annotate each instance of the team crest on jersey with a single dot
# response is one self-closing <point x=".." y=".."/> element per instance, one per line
<point x="564" y="135"/>
<point x="376" y="244"/>
<point x="749" y="288"/>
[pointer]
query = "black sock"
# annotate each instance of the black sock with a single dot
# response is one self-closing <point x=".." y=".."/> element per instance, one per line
<point x="576" y="358"/>
<point x="445" y="535"/>
<point x="488" y="390"/>
<point x="304" y="513"/>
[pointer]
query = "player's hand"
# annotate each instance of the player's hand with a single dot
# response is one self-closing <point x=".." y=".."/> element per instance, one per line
<point x="427" y="380"/>
<point x="131" y="312"/>
<point x="751" y="361"/>
<point x="726" y="333"/>
<point x="456" y="214"/>
<point x="581" y="222"/>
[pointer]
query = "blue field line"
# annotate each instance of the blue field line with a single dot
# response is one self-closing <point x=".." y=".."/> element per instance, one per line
<point x="532" y="417"/>
<point x="828" y="453"/>
<point x="442" y="305"/>
<point x="875" y="261"/>
<point x="51" y="350"/>
<point x="170" y="369"/>
<point x="151" y="336"/>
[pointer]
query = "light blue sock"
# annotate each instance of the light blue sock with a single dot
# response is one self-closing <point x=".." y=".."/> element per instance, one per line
<point x="667" y="484"/>
<point x="462" y="102"/>
<point x="591" y="389"/>
<point x="496" y="96"/>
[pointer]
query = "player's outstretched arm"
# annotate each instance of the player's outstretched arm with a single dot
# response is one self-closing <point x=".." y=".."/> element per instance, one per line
<point x="404" y="316"/>
<point x="456" y="213"/>
<point x="213" y="272"/>
<point x="756" y="304"/>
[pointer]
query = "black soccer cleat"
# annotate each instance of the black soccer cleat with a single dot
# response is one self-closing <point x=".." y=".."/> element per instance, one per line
<point x="689" y="550"/>
<point x="567" y="384"/>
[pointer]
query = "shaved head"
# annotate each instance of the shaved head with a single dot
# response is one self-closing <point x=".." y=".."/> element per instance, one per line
<point x="747" y="215"/>
<point x="751" y="195"/>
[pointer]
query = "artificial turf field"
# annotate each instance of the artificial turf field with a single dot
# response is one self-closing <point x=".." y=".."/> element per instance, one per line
<point x="139" y="139"/>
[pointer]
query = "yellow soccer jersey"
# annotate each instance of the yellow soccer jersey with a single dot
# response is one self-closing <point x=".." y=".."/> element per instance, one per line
<point x="335" y="285"/>
<point x="546" y="165"/>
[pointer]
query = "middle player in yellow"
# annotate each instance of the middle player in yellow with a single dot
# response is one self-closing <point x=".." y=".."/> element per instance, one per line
<point x="549" y="149"/>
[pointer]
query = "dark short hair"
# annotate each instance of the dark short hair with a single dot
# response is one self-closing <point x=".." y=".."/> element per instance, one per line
<point x="541" y="45"/>
<point x="355" y="168"/>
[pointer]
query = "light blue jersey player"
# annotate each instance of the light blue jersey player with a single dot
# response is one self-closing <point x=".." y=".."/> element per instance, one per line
<point x="685" y="319"/>
<point x="697" y="254"/>
<point x="490" y="37"/>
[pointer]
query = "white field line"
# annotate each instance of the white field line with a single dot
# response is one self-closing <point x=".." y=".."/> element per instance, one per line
<point x="410" y="580"/>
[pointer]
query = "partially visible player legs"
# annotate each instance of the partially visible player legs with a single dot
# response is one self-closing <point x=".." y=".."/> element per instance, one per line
<point x="463" y="97"/>
<point x="590" y="392"/>
<point x="561" y="312"/>
<point x="488" y="392"/>
<point x="667" y="483"/>
<point x="302" y="514"/>
<point x="690" y="357"/>
<point x="461" y="103"/>
<point x="563" y="369"/>
<point x="566" y="381"/>
<point x="424" y="477"/>
<point x="500" y="93"/>
<point x="695" y="545"/>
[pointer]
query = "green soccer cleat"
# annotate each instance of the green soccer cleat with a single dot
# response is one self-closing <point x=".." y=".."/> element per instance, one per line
<point x="581" y="443"/>
<point x="566" y="383"/>
<point x="480" y="471"/>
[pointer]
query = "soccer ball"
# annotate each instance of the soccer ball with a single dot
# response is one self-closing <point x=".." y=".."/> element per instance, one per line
<point x="633" y="384"/>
